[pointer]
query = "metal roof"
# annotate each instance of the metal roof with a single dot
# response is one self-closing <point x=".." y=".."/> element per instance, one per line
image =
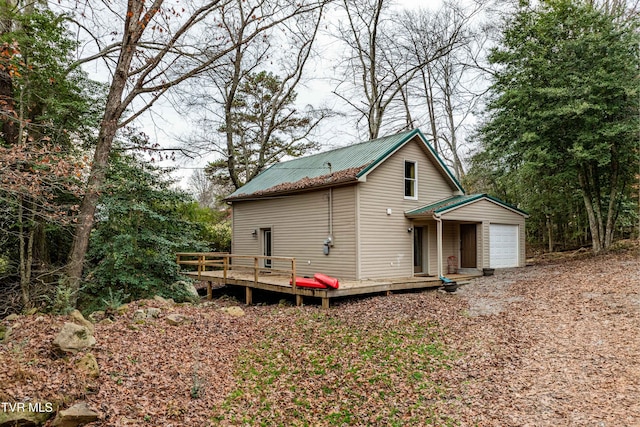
<point x="358" y="159"/>
<point x="455" y="202"/>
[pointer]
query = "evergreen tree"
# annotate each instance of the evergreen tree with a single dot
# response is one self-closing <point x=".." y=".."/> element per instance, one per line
<point x="140" y="226"/>
<point x="264" y="127"/>
<point x="563" y="118"/>
<point x="46" y="113"/>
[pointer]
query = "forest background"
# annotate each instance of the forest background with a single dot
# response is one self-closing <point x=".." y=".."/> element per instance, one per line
<point x="536" y="103"/>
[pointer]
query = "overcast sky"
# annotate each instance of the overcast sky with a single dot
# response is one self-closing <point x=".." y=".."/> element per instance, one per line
<point x="167" y="126"/>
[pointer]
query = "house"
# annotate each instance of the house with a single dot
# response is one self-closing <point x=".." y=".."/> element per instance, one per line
<point x="378" y="209"/>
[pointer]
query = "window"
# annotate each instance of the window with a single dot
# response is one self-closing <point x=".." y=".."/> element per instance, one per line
<point x="410" y="180"/>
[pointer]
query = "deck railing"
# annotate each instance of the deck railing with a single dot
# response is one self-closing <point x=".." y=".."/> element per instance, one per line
<point x="211" y="261"/>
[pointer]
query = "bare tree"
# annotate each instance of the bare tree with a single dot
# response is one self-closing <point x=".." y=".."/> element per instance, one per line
<point x="159" y="46"/>
<point x="279" y="127"/>
<point x="203" y="189"/>
<point x="378" y="68"/>
<point x="447" y="85"/>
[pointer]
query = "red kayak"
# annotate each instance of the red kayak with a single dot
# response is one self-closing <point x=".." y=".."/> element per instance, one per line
<point x="331" y="282"/>
<point x="304" y="282"/>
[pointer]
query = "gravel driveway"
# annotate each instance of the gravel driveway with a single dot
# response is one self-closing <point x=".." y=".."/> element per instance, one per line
<point x="554" y="344"/>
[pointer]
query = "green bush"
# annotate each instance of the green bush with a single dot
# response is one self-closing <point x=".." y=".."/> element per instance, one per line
<point x="140" y="228"/>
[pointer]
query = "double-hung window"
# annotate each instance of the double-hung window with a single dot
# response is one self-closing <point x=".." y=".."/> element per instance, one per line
<point x="410" y="180"/>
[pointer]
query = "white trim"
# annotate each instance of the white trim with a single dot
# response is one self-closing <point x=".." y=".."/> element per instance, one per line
<point x="439" y="244"/>
<point x="358" y="239"/>
<point x="470" y="202"/>
<point x="415" y="179"/>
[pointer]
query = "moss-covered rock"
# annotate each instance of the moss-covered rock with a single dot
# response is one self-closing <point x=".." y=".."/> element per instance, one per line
<point x="25" y="414"/>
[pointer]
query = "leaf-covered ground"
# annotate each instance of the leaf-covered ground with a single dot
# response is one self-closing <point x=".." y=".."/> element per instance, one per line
<point x="554" y="344"/>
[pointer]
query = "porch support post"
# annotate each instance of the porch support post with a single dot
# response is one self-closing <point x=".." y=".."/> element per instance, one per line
<point x="439" y="251"/>
<point x="248" y="295"/>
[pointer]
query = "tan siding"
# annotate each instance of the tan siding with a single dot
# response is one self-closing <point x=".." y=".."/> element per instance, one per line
<point x="386" y="245"/>
<point x="490" y="213"/>
<point x="300" y="224"/>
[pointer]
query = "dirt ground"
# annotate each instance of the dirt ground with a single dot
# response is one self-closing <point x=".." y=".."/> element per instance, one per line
<point x="552" y="344"/>
<point x="555" y="344"/>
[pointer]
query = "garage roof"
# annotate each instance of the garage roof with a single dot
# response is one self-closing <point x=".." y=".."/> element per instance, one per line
<point x="455" y="202"/>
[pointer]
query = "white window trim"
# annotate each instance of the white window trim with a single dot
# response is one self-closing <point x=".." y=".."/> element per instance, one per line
<point x="415" y="180"/>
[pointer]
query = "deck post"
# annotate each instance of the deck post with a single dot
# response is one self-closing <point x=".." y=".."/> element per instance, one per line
<point x="325" y="303"/>
<point x="200" y="265"/>
<point x="209" y="290"/>
<point x="225" y="267"/>
<point x="248" y="294"/>
<point x="299" y="300"/>
<point x="255" y="270"/>
<point x="293" y="272"/>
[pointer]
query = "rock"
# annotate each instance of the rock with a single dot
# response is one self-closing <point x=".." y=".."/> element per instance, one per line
<point x="12" y="317"/>
<point x="153" y="312"/>
<point x="7" y="335"/>
<point x="176" y="319"/>
<point x="188" y="288"/>
<point x="40" y="319"/>
<point x="89" y="365"/>
<point x="139" y="314"/>
<point x="73" y="338"/>
<point x="122" y="309"/>
<point x="97" y="316"/>
<point x="158" y="298"/>
<point x="31" y="311"/>
<point x="106" y="321"/>
<point x="29" y="414"/>
<point x="76" y="415"/>
<point x="234" y="311"/>
<point x="79" y="319"/>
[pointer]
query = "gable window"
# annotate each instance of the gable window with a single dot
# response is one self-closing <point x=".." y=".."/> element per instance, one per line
<point x="410" y="180"/>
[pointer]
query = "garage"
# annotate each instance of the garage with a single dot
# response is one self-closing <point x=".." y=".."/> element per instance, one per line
<point x="503" y="245"/>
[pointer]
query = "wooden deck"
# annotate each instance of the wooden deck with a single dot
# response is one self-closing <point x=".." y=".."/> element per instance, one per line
<point x="218" y="268"/>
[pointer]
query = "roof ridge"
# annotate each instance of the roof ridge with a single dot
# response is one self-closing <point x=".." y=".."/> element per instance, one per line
<point x="342" y="148"/>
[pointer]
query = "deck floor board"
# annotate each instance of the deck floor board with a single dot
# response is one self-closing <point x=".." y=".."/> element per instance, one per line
<point x="280" y="283"/>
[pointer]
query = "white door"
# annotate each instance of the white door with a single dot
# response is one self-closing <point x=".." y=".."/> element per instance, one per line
<point x="503" y="246"/>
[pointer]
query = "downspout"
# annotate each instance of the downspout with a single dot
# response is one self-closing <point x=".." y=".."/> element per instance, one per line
<point x="330" y="237"/>
<point x="439" y="235"/>
<point x="331" y="213"/>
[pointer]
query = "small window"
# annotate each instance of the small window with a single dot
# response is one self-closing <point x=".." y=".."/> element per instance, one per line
<point x="410" y="181"/>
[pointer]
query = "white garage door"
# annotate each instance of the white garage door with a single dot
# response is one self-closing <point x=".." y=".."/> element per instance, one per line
<point x="503" y="244"/>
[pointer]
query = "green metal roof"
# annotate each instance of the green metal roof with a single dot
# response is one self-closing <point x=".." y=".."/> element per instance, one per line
<point x="358" y="159"/>
<point x="454" y="202"/>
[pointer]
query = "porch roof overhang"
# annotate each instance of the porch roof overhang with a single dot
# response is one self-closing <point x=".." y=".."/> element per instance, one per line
<point x="442" y="207"/>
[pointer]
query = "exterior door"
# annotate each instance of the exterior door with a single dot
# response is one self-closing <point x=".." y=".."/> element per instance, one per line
<point x="418" y="262"/>
<point x="267" y="245"/>
<point x="468" y="246"/>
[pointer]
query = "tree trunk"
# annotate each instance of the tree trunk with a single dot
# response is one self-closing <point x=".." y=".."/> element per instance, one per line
<point x="594" y="226"/>
<point x="613" y="200"/>
<point x="108" y="127"/>
<point x="26" y="238"/>
<point x="428" y="91"/>
<point x="550" y="233"/>
<point x="90" y="201"/>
